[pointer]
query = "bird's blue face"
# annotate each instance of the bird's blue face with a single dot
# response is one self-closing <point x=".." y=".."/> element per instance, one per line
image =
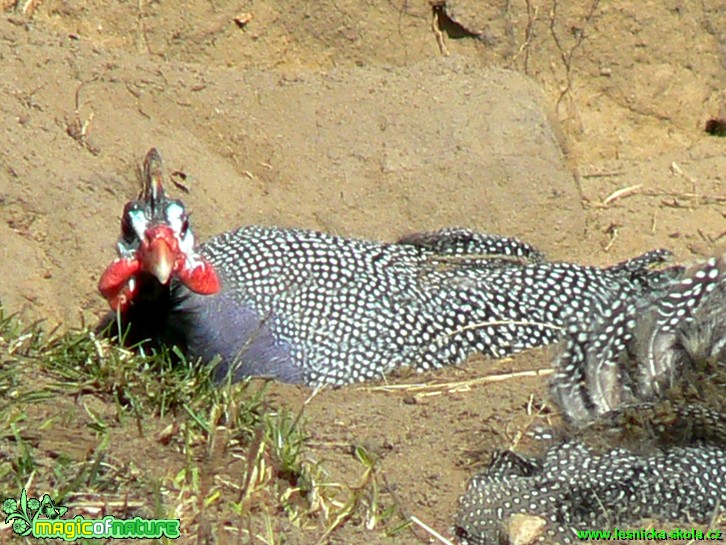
<point x="155" y="240"/>
<point x="158" y="234"/>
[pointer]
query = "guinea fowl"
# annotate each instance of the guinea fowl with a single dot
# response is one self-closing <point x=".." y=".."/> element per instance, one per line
<point x="306" y="307"/>
<point x="642" y="389"/>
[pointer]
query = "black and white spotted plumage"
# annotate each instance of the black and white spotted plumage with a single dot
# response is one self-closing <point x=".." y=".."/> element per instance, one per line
<point x="571" y="488"/>
<point x="642" y="389"/>
<point x="349" y="310"/>
<point x="634" y="349"/>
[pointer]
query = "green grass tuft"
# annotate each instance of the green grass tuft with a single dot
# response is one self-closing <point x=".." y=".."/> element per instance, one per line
<point x="107" y="430"/>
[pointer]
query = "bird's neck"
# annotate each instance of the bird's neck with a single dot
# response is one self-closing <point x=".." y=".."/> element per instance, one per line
<point x="148" y="317"/>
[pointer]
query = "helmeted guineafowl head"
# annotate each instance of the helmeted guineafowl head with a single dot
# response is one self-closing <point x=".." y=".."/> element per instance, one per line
<point x="156" y="244"/>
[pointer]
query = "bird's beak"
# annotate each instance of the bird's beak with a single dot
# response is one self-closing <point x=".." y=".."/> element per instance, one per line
<point x="158" y="259"/>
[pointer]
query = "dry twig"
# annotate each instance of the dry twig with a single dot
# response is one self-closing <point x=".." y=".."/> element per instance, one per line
<point x="77" y="129"/>
<point x="532" y="14"/>
<point x="436" y="27"/>
<point x="613" y="231"/>
<point x="437" y="388"/>
<point x="567" y="56"/>
<point x="431" y="531"/>
<point x="620" y="194"/>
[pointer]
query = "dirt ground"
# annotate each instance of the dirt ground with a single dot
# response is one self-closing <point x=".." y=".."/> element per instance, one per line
<point x="577" y="126"/>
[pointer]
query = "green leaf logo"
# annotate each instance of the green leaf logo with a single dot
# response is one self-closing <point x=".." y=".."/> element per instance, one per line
<point x="23" y="513"/>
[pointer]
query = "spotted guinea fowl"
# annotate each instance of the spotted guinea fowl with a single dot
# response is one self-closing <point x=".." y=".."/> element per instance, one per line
<point x="642" y="388"/>
<point x="307" y="307"/>
<point x="520" y="500"/>
<point x="637" y="348"/>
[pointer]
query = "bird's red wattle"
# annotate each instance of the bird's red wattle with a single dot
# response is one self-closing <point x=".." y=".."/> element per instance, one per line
<point x="202" y="279"/>
<point x="114" y="282"/>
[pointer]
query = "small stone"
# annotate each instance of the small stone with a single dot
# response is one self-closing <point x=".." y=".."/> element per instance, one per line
<point x="523" y="529"/>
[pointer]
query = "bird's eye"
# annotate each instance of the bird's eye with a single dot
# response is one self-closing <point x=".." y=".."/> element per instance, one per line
<point x="184" y="227"/>
<point x="127" y="230"/>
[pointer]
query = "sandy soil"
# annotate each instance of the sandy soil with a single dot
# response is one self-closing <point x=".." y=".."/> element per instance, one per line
<point x="372" y="119"/>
